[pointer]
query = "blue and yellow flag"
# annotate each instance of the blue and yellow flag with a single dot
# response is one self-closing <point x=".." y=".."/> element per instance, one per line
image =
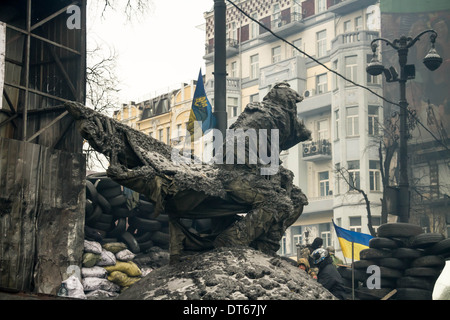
<point x="201" y="109"/>
<point x="346" y="237"/>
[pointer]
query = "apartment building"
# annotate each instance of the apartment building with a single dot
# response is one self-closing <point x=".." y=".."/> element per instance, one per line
<point x="343" y="117"/>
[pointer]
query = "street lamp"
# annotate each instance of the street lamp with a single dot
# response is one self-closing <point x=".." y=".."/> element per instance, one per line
<point x="432" y="61"/>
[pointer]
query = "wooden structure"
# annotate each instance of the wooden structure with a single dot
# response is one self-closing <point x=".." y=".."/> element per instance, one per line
<point x="42" y="169"/>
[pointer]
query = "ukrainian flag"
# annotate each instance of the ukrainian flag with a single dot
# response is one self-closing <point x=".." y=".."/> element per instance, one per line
<point x="201" y="109"/>
<point x="346" y="238"/>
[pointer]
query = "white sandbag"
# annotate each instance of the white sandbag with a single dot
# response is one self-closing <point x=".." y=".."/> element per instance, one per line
<point x="93" y="247"/>
<point x="92" y="284"/>
<point x="74" y="287"/>
<point x="107" y="259"/>
<point x="101" y="294"/>
<point x="96" y="272"/>
<point x="125" y="255"/>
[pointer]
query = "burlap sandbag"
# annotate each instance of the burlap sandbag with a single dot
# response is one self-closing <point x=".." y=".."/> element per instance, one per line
<point x="129" y="268"/>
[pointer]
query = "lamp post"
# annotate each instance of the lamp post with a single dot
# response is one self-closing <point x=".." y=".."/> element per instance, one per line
<point x="432" y="61"/>
<point x="220" y="73"/>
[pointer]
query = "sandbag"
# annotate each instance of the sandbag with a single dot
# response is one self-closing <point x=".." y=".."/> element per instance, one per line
<point x="74" y="287"/>
<point x="115" y="247"/>
<point x="90" y="259"/>
<point x="122" y="279"/>
<point x="107" y="258"/>
<point x="129" y="268"/>
<point x="92" y="246"/>
<point x="101" y="294"/>
<point x="92" y="284"/>
<point x="97" y="272"/>
<point x="125" y="255"/>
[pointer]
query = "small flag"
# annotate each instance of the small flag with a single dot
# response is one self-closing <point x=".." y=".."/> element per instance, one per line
<point x="346" y="237"/>
<point x="201" y="110"/>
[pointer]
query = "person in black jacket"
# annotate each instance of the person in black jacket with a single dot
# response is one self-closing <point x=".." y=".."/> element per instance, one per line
<point x="328" y="275"/>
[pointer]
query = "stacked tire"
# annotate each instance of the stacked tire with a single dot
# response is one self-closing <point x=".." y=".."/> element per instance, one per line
<point x="409" y="261"/>
<point x="112" y="215"/>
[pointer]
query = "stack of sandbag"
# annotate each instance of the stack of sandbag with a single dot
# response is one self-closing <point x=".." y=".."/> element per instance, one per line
<point x="117" y="214"/>
<point x="108" y="269"/>
<point x="409" y="261"/>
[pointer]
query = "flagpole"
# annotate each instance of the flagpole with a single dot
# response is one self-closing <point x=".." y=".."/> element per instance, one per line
<point x="353" y="271"/>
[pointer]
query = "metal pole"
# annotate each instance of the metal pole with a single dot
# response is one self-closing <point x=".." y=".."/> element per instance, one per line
<point x="220" y="73"/>
<point x="403" y="152"/>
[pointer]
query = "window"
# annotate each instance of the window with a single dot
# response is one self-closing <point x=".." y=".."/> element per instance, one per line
<point x="321" y="5"/>
<point x="322" y="130"/>
<point x="355" y="224"/>
<point x="296" y="11"/>
<point x="321" y="37"/>
<point x="353" y="174"/>
<point x="325" y="234"/>
<point x="336" y="127"/>
<point x="298" y="44"/>
<point x="324" y="183"/>
<point x="233" y="107"/>
<point x="254" y="27"/>
<point x="373" y="121"/>
<point x="168" y="135"/>
<point x="254" y="66"/>
<point x="234" y="69"/>
<point x="276" y="54"/>
<point x="351" y="71"/>
<point x="276" y="15"/>
<point x="347" y="26"/>
<point x="254" y="97"/>
<point x="374" y="175"/>
<point x="322" y="83"/>
<point x="178" y="130"/>
<point x="232" y="31"/>
<point x="352" y="122"/>
<point x="358" y="23"/>
<point x="161" y="134"/>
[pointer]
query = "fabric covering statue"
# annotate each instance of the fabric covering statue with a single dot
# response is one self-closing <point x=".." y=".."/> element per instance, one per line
<point x="247" y="208"/>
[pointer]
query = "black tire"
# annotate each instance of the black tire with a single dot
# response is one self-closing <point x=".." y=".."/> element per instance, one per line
<point x="118" y="200"/>
<point x="118" y="229"/>
<point x="394" y="263"/>
<point x="144" y="224"/>
<point x="146" y="207"/>
<point x="110" y="193"/>
<point x="122" y="212"/>
<point x="429" y="261"/>
<point x="398" y="229"/>
<point x="369" y="254"/>
<point x="407" y="253"/>
<point x="89" y="207"/>
<point x="415" y="282"/>
<point x="160" y="237"/>
<point x="105" y="182"/>
<point x="382" y="243"/>
<point x="163" y="218"/>
<point x="91" y="192"/>
<point x="106" y="218"/>
<point x="442" y="247"/>
<point x="106" y="207"/>
<point x="95" y="216"/>
<point x="390" y="273"/>
<point x="423" y="272"/>
<point x="102" y="226"/>
<point x="146" y="245"/>
<point x="363" y="264"/>
<point x="426" y="240"/>
<point x="412" y="294"/>
<point x="131" y="242"/>
<point x="144" y="237"/>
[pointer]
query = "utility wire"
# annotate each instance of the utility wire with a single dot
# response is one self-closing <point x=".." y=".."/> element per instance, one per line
<point x="337" y="73"/>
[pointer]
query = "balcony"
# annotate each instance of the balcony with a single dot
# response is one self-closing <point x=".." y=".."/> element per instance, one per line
<point x="232" y="48"/>
<point x="350" y="39"/>
<point x="317" y="150"/>
<point x="233" y="85"/>
<point x="342" y="7"/>
<point x="284" y="26"/>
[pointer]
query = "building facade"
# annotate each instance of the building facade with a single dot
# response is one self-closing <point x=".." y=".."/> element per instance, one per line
<point x="343" y="117"/>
